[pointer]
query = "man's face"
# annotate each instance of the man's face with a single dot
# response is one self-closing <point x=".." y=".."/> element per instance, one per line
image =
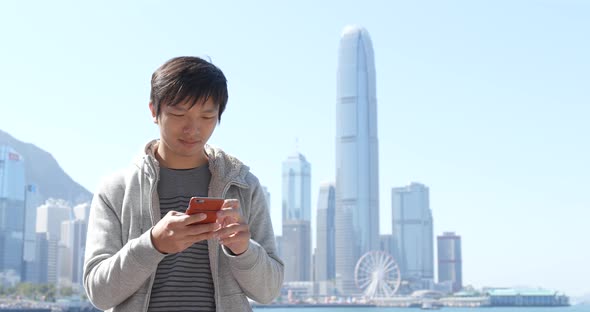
<point x="184" y="131"/>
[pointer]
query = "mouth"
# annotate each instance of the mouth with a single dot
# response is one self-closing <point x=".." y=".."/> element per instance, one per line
<point x="189" y="142"/>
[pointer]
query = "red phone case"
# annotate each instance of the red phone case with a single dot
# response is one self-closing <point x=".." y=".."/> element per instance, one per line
<point x="206" y="205"/>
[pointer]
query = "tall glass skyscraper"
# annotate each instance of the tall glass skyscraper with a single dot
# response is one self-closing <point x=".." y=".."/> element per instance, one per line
<point x="449" y="260"/>
<point x="413" y="234"/>
<point x="325" y="244"/>
<point x="296" y="218"/>
<point x="12" y="211"/>
<point x="357" y="163"/>
<point x="296" y="188"/>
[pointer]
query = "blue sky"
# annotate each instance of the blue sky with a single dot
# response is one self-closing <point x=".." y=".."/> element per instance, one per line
<point x="486" y="102"/>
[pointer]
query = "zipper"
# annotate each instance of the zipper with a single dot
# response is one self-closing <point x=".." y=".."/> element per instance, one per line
<point x="216" y="256"/>
<point x="150" y="206"/>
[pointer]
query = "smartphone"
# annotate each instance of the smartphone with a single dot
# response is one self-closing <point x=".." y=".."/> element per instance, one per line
<point x="207" y="205"/>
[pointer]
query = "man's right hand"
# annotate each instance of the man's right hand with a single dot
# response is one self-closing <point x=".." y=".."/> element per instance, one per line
<point x="176" y="232"/>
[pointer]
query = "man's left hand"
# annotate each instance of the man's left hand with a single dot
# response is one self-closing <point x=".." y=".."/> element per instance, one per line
<point x="232" y="232"/>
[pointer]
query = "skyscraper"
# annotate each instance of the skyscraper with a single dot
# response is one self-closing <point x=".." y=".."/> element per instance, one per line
<point x="71" y="256"/>
<point x="325" y="244"/>
<point x="296" y="188"/>
<point x="65" y="255"/>
<point x="12" y="211"/>
<point x="296" y="218"/>
<point x="449" y="260"/>
<point x="49" y="219"/>
<point x="412" y="234"/>
<point x="297" y="250"/>
<point x="39" y="274"/>
<point x="50" y="215"/>
<point x="266" y="196"/>
<point x="82" y="211"/>
<point x="33" y="199"/>
<point x="357" y="180"/>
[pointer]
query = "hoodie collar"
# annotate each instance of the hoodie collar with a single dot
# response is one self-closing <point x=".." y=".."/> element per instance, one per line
<point x="147" y="162"/>
<point x="225" y="169"/>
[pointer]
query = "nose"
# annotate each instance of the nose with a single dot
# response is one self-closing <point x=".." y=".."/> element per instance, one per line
<point x="191" y="127"/>
<point x="190" y="130"/>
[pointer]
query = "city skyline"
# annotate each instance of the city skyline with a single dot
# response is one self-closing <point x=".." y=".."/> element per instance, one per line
<point x="490" y="115"/>
<point x="61" y="235"/>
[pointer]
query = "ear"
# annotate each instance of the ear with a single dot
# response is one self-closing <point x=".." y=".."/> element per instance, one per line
<point x="153" y="110"/>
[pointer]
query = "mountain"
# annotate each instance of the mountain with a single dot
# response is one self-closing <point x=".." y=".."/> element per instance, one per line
<point x="43" y="170"/>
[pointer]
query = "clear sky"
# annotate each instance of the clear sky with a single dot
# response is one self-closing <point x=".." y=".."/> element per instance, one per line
<point x="485" y="102"/>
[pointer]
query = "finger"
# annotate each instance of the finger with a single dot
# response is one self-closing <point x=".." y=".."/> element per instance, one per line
<point x="226" y="213"/>
<point x="234" y="239"/>
<point x="173" y="213"/>
<point x="225" y="218"/>
<point x="190" y="219"/>
<point x="231" y="203"/>
<point x="231" y="229"/>
<point x="175" y="218"/>
<point x="192" y="239"/>
<point x="197" y="229"/>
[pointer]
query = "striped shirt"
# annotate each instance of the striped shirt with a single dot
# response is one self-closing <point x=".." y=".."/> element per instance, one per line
<point x="183" y="280"/>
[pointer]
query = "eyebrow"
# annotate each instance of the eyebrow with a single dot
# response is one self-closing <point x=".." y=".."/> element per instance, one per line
<point x="182" y="108"/>
<point x="177" y="108"/>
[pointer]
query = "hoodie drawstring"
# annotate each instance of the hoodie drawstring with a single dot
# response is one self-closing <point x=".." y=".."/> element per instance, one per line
<point x="141" y="181"/>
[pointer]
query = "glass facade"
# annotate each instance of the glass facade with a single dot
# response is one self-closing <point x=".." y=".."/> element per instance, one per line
<point x="449" y="260"/>
<point x="413" y="233"/>
<point x="12" y="210"/>
<point x="325" y="244"/>
<point x="50" y="217"/>
<point x="297" y="218"/>
<point x="357" y="163"/>
<point x="296" y="188"/>
<point x="297" y="250"/>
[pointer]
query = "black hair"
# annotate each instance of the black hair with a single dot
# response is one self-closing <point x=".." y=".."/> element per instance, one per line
<point x="188" y="78"/>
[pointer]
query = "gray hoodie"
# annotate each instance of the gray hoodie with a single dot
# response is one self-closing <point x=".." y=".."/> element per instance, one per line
<point x="121" y="261"/>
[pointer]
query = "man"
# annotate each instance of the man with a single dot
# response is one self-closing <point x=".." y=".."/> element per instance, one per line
<point x="143" y="253"/>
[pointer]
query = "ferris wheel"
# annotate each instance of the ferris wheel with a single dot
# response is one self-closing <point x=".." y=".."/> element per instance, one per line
<point x="377" y="274"/>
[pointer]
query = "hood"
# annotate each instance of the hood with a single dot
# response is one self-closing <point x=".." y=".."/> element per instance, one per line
<point x="224" y="168"/>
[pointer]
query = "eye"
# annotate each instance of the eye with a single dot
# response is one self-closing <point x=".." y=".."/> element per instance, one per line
<point x="177" y="115"/>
